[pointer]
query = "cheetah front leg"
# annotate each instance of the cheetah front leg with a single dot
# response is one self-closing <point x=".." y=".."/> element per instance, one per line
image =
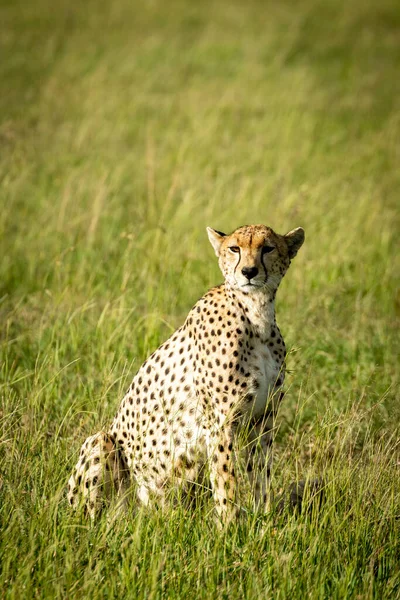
<point x="222" y="474"/>
<point x="258" y="460"/>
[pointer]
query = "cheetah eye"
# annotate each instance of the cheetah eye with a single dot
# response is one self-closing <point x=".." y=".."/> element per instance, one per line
<point x="234" y="248"/>
<point x="267" y="249"/>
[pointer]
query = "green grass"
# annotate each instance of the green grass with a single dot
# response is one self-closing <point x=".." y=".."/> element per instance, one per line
<point x="125" y="129"/>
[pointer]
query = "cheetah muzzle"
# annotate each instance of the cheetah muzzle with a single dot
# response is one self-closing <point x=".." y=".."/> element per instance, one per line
<point x="217" y="380"/>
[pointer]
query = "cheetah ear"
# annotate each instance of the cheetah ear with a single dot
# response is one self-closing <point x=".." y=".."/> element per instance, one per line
<point x="294" y="240"/>
<point x="216" y="238"/>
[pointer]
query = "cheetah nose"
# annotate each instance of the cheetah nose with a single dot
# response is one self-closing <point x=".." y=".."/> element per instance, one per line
<point x="249" y="272"/>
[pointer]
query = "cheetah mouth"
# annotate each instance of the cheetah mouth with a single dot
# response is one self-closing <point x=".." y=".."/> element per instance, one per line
<point x="253" y="285"/>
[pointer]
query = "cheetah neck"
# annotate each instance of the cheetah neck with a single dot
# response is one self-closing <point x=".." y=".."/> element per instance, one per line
<point x="259" y="308"/>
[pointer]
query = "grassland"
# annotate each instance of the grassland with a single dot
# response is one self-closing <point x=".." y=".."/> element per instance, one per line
<point x="125" y="129"/>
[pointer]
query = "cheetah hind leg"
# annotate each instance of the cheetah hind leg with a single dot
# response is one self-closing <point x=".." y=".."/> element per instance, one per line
<point x="100" y="475"/>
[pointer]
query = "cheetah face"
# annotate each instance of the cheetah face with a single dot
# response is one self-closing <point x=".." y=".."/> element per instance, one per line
<point x="254" y="258"/>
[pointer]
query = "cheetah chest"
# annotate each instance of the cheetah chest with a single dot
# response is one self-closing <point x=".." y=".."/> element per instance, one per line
<point x="266" y="370"/>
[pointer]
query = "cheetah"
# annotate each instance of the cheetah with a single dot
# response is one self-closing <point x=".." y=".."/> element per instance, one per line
<point x="219" y="375"/>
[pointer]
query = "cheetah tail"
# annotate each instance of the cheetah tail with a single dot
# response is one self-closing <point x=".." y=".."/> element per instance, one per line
<point x="101" y="473"/>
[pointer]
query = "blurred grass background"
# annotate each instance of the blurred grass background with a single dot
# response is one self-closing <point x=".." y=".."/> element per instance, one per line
<point x="125" y="129"/>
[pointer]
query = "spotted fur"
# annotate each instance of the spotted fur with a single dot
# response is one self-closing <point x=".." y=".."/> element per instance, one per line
<point x="217" y="378"/>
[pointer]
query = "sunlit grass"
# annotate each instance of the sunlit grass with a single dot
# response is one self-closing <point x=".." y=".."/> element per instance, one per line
<point x="125" y="130"/>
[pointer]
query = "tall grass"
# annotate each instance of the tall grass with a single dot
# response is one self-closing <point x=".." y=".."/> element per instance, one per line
<point x="126" y="128"/>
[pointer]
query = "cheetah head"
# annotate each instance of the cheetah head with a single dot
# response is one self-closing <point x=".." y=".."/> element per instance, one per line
<point x="254" y="258"/>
